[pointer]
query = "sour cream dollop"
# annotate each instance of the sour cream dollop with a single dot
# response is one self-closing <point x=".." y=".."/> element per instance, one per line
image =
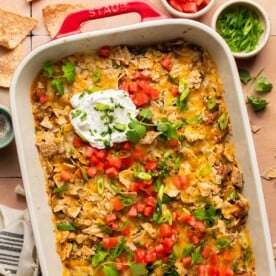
<point x="101" y="118"/>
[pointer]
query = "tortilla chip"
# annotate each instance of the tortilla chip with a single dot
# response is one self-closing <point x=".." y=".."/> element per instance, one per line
<point x="14" y="28"/>
<point x="270" y="173"/>
<point x="254" y="128"/>
<point x="9" y="59"/>
<point x="55" y="14"/>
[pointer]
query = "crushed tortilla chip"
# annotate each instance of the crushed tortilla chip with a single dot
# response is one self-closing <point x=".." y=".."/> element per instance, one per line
<point x="54" y="15"/>
<point x="270" y="173"/>
<point x="9" y="59"/>
<point x="254" y="128"/>
<point x="14" y="28"/>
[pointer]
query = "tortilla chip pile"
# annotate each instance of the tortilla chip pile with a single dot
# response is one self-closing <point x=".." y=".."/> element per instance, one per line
<point x="13" y="29"/>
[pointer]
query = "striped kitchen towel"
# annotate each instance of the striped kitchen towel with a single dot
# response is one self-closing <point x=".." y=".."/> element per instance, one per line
<point x="16" y="243"/>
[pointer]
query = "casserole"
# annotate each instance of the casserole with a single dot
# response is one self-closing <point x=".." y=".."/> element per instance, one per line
<point x="142" y="33"/>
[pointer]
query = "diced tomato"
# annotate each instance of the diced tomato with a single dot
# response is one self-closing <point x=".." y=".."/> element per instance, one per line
<point x="190" y="7"/>
<point x="168" y="243"/>
<point x="201" y="270"/>
<point x="165" y="230"/>
<point x="213" y="258"/>
<point x="148" y="189"/>
<point x="121" y="263"/>
<point x="132" y="211"/>
<point x="145" y="74"/>
<point x="212" y="270"/>
<point x="91" y="171"/>
<point x="176" y="5"/>
<point x="100" y="166"/>
<point x="150" y="201"/>
<point x="113" y="161"/>
<point x="111" y="217"/>
<point x="126" y="146"/>
<point x="225" y="271"/>
<point x="174" y="90"/>
<point x="64" y="175"/>
<point x="140" y="255"/>
<point x="187" y="261"/>
<point x="181" y="181"/>
<point x="152" y="93"/>
<point x="160" y="249"/>
<point x="195" y="239"/>
<point x="124" y="86"/>
<point x="138" y="154"/>
<point x="110" y="242"/>
<point x="43" y="98"/>
<point x="151" y="256"/>
<point x="205" y="251"/>
<point x="117" y="204"/>
<point x="148" y="211"/>
<point x="89" y="151"/>
<point x="133" y="87"/>
<point x="166" y="62"/>
<point x="77" y="142"/>
<point x="105" y="51"/>
<point x="140" y="207"/>
<point x="173" y="142"/>
<point x="126" y="230"/>
<point x="141" y="99"/>
<point x="114" y="226"/>
<point x="175" y="216"/>
<point x="111" y="172"/>
<point x="101" y="154"/>
<point x="134" y="187"/>
<point x="151" y="165"/>
<point x="227" y="257"/>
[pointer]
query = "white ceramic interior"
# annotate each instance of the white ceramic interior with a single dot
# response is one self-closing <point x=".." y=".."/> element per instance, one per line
<point x="140" y="33"/>
<point x="263" y="18"/>
<point x="180" y="14"/>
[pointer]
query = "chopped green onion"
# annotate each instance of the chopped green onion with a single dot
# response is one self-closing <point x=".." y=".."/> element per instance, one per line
<point x="100" y="185"/>
<point x="240" y="27"/>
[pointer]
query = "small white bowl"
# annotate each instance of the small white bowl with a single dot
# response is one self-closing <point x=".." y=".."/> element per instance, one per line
<point x="6" y="130"/>
<point x="177" y="13"/>
<point x="264" y="20"/>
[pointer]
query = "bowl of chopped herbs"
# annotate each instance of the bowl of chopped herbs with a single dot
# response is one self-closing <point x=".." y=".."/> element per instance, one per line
<point x="244" y="25"/>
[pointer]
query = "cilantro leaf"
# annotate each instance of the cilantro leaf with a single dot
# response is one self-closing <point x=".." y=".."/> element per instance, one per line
<point x="99" y="256"/>
<point x="167" y="128"/>
<point x="138" y="269"/>
<point x="263" y="85"/>
<point x="244" y="76"/>
<point x="110" y="270"/>
<point x="48" y="69"/>
<point x="257" y="103"/>
<point x="206" y="214"/>
<point x="196" y="256"/>
<point x="145" y="113"/>
<point x="117" y="250"/>
<point x="57" y="84"/>
<point x="68" y="70"/>
<point x="67" y="226"/>
<point x="136" y="131"/>
<point x="60" y="189"/>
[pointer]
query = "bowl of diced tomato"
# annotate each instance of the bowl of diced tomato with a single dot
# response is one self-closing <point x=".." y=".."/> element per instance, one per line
<point x="188" y="8"/>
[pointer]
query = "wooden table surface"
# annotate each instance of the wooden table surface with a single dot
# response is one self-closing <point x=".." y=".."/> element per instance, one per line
<point x="264" y="139"/>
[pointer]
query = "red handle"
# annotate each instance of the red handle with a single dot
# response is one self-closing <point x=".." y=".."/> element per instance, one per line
<point x="72" y="23"/>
